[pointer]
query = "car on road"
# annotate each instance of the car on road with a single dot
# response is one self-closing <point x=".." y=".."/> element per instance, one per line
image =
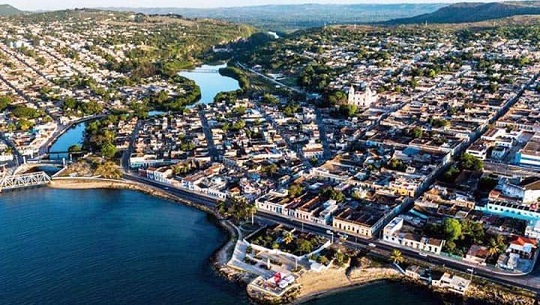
<point x="372" y="245"/>
<point x="423" y="254"/>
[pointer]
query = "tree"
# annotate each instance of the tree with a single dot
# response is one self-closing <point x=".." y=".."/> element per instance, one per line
<point x="397" y="164"/>
<point x="108" y="170"/>
<point x="5" y="101"/>
<point x="76" y="148"/>
<point x="437" y="123"/>
<point x="340" y="259"/>
<point x="451" y="174"/>
<point x="337" y="97"/>
<point x="452" y="229"/>
<point x="304" y="246"/>
<point x="331" y="193"/>
<point x="269" y="99"/>
<point x="397" y="257"/>
<point x="493" y="248"/>
<point x="288" y="237"/>
<point x="181" y="168"/>
<point x="236" y="207"/>
<point x="348" y="110"/>
<point x="471" y="162"/>
<point x="239" y="124"/>
<point x="416" y="132"/>
<point x="295" y="190"/>
<point x="24" y="112"/>
<point x="450" y="246"/>
<point x="108" y="150"/>
<point x="270" y="169"/>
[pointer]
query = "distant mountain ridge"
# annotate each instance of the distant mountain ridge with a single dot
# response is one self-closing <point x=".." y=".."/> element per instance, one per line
<point x="8" y="10"/>
<point x="473" y="12"/>
<point x="297" y="16"/>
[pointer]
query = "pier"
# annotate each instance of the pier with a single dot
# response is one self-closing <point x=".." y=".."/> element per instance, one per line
<point x="13" y="182"/>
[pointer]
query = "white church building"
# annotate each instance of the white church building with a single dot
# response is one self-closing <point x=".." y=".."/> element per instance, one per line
<point x="362" y="98"/>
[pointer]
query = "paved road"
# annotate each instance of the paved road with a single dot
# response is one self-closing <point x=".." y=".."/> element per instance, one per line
<point x="214" y="153"/>
<point x="510" y="170"/>
<point x="195" y="198"/>
<point x="18" y="157"/>
<point x="327" y="154"/>
<point x="44" y="149"/>
<point x="20" y="92"/>
<point x="129" y="150"/>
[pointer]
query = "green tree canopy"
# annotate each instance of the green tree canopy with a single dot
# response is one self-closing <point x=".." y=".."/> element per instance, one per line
<point x="452" y="229"/>
<point x="471" y="162"/>
<point x="295" y="190"/>
<point x="108" y="150"/>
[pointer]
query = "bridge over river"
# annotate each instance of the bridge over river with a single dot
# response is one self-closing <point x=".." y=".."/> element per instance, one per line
<point x="201" y="70"/>
<point x="18" y="181"/>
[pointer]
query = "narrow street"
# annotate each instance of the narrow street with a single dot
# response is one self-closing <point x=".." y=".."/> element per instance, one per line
<point x="214" y="153"/>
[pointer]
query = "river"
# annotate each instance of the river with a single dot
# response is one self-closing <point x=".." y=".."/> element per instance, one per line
<point x="211" y="83"/>
<point x="72" y="136"/>
<point x="125" y="247"/>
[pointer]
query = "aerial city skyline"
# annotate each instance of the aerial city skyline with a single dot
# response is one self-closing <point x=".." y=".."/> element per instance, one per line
<point x="270" y="155"/>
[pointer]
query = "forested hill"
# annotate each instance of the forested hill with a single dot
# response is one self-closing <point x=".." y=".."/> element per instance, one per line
<point x="473" y="12"/>
<point x="8" y="10"/>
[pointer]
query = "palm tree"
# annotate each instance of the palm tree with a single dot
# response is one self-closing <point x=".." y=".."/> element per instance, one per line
<point x="288" y="237"/>
<point x="493" y="250"/>
<point x="397" y="256"/>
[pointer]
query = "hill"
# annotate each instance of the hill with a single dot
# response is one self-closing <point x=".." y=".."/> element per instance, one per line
<point x="302" y="16"/>
<point x="8" y="10"/>
<point x="473" y="12"/>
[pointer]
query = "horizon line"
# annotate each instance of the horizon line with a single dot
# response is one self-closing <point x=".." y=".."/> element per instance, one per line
<point x="396" y="2"/>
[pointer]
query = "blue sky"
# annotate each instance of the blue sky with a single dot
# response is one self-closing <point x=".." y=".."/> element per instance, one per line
<point x="62" y="4"/>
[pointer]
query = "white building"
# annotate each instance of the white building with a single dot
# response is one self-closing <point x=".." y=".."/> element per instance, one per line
<point x="533" y="229"/>
<point x="527" y="191"/>
<point x="362" y="99"/>
<point x="453" y="283"/>
<point x="392" y="234"/>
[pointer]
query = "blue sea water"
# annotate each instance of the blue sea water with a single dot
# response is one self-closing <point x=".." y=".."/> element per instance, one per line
<point x="125" y="247"/>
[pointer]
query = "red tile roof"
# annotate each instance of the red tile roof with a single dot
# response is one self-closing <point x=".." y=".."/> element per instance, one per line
<point x="520" y="240"/>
